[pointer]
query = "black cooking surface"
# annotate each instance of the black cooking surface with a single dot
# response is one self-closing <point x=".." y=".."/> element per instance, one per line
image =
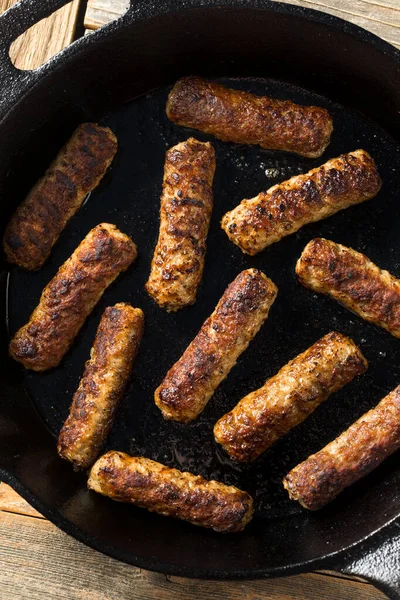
<point x="129" y="197"/>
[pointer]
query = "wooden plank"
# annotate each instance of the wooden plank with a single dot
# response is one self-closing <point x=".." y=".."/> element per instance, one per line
<point x="381" y="17"/>
<point x="12" y="502"/>
<point x="342" y="576"/>
<point x="38" y="560"/>
<point x="101" y="12"/>
<point x="46" y="38"/>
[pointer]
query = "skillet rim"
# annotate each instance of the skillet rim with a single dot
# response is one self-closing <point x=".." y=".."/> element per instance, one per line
<point x="25" y="82"/>
<point x="142" y="10"/>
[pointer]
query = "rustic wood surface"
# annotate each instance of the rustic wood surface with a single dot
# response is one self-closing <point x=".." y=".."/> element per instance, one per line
<point x="100" y="12"/>
<point x="38" y="560"/>
<point x="382" y="17"/>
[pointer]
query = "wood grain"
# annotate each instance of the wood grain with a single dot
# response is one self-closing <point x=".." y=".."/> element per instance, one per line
<point x="46" y="38"/>
<point x="101" y="12"/>
<point x="381" y="17"/>
<point x="12" y="502"/>
<point x="54" y="566"/>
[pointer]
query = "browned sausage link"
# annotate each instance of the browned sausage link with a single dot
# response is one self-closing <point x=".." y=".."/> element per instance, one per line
<point x="235" y="116"/>
<point x="239" y="314"/>
<point x="351" y="456"/>
<point x="39" y="220"/>
<point x="185" y="213"/>
<point x="265" y="415"/>
<point x="283" y="209"/>
<point x="71" y="296"/>
<point x="102" y="385"/>
<point x="170" y="492"/>
<point x="353" y="280"/>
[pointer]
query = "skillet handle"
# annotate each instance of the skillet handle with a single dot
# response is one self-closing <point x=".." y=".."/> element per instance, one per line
<point x="13" y="22"/>
<point x="378" y="560"/>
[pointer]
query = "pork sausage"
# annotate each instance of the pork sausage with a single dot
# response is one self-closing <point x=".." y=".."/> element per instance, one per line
<point x="282" y="210"/>
<point x="351" y="456"/>
<point x="285" y="400"/>
<point x="102" y="385"/>
<point x="185" y="213"/>
<point x="353" y="280"/>
<point x="235" y="116"/>
<point x="170" y="492"/>
<point x="71" y="296"/>
<point x="39" y="220"/>
<point x="190" y="383"/>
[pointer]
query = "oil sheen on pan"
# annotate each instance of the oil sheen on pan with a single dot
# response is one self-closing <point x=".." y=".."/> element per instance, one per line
<point x="129" y="196"/>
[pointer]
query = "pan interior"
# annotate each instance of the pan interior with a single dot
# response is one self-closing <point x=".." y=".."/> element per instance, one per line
<point x="129" y="197"/>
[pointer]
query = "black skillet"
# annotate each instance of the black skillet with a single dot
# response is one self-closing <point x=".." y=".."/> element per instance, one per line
<point x="265" y="47"/>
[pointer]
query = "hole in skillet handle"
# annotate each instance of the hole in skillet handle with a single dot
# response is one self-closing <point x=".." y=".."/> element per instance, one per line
<point x="13" y="23"/>
<point x="377" y="560"/>
<point x="23" y="15"/>
<point x="46" y="38"/>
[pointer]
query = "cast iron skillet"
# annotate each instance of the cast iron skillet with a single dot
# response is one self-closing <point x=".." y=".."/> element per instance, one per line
<point x="307" y="56"/>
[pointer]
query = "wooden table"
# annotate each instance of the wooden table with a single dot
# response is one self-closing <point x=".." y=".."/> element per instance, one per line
<point x="40" y="562"/>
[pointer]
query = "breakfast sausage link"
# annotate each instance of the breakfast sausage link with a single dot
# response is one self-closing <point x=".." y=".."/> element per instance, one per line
<point x="185" y="213"/>
<point x="258" y="222"/>
<point x="351" y="456"/>
<point x="102" y="385"/>
<point x="265" y="415"/>
<point x="170" y="492"/>
<point x="353" y="280"/>
<point x="39" y="220"/>
<point x="236" y="116"/>
<point x="190" y="383"/>
<point x="71" y="296"/>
